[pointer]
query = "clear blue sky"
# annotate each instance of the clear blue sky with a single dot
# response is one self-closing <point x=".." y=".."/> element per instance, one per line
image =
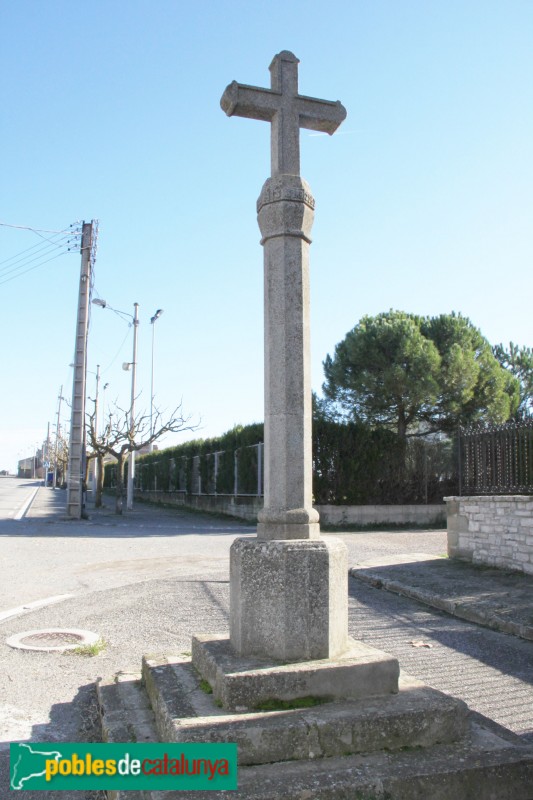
<point x="110" y="110"/>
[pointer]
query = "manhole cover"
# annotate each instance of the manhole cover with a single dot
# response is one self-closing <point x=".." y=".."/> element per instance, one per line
<point x="52" y="639"/>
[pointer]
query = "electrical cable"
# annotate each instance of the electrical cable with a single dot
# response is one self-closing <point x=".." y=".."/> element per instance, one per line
<point x="44" y="250"/>
<point x="19" y="256"/>
<point x="35" y="230"/>
<point x="12" y="278"/>
<point x="105" y="369"/>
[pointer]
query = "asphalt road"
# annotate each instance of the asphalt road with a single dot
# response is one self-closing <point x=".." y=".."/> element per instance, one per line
<point x="146" y="582"/>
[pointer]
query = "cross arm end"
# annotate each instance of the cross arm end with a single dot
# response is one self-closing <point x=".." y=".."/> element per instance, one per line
<point x="321" y="115"/>
<point x="249" y="101"/>
<point x="229" y="99"/>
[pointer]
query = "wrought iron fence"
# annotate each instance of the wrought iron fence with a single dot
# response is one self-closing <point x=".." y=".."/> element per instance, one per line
<point x="496" y="459"/>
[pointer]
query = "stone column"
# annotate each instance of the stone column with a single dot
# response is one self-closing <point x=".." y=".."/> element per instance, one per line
<point x="285" y="215"/>
<point x="288" y="587"/>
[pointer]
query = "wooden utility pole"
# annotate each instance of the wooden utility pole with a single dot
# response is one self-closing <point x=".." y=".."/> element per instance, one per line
<point x="75" y="478"/>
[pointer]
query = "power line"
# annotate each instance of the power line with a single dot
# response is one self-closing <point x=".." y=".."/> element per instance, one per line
<point x="43" y="250"/>
<point x="19" y="264"/>
<point x="12" y="278"/>
<point x="38" y="245"/>
<point x="36" y="230"/>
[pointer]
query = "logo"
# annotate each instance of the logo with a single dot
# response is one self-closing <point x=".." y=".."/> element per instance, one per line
<point x="125" y="766"/>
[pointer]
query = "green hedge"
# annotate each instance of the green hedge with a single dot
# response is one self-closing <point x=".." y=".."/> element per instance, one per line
<point x="355" y="465"/>
<point x="352" y="465"/>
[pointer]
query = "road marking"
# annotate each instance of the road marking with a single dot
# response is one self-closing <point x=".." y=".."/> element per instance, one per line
<point x="48" y="601"/>
<point x="22" y="511"/>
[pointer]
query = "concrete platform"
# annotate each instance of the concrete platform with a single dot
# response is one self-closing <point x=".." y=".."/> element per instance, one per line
<point x="241" y="683"/>
<point x="417" y="716"/>
<point x="485" y="762"/>
<point x="488" y="596"/>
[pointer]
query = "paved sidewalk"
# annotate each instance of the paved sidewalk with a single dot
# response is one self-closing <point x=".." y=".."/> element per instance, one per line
<point x="488" y="596"/>
<point x="49" y="505"/>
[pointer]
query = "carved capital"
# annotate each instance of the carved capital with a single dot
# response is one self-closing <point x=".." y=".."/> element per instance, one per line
<point x="285" y="208"/>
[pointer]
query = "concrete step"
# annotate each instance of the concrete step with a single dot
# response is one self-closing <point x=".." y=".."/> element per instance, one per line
<point x="483" y="767"/>
<point x="487" y="762"/>
<point x="125" y="711"/>
<point x="240" y="683"/>
<point x="417" y="716"/>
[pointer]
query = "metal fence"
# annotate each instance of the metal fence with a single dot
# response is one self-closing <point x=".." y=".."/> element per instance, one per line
<point x="496" y="459"/>
<point x="224" y="472"/>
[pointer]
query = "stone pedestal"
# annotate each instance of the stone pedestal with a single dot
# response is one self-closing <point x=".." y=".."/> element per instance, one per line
<point x="289" y="599"/>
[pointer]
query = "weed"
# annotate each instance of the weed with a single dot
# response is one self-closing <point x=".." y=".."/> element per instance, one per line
<point x="89" y="650"/>
<point x="285" y="705"/>
<point x="205" y="686"/>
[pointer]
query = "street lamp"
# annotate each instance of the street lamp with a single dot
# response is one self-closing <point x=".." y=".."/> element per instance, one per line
<point x="103" y="402"/>
<point x="58" y="434"/>
<point x="34" y="470"/>
<point x="133" y="364"/>
<point x="152" y="323"/>
<point x="95" y="460"/>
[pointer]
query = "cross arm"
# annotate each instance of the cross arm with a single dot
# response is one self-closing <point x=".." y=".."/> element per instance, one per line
<point x="320" y="115"/>
<point x="250" y="101"/>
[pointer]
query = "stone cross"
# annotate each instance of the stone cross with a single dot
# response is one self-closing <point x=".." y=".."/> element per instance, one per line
<point x="288" y="587"/>
<point x="288" y="111"/>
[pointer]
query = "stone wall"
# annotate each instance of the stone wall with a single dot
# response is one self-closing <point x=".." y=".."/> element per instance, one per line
<point x="248" y="508"/>
<point x="373" y="515"/>
<point x="496" y="530"/>
<point x="240" y="506"/>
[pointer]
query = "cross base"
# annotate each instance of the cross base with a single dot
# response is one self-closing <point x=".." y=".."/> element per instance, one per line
<point x="288" y="598"/>
<point x="241" y="684"/>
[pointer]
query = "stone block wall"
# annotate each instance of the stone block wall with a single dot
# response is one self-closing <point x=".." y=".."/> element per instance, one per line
<point x="248" y="507"/>
<point x="493" y="530"/>
<point x="379" y="514"/>
<point x="241" y="506"/>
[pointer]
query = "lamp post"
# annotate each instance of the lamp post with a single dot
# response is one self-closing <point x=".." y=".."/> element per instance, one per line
<point x="103" y="403"/>
<point x="126" y="366"/>
<point x="58" y="434"/>
<point x="95" y="460"/>
<point x="152" y="323"/>
<point x="131" y="460"/>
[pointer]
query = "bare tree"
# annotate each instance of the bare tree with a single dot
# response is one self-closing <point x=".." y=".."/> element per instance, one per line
<point x="120" y="437"/>
<point x="58" y="457"/>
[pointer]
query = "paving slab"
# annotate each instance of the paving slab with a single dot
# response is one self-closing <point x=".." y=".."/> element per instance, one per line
<point x="489" y="596"/>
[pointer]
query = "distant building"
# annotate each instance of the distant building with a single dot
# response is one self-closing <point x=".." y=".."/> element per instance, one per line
<point x="31" y="467"/>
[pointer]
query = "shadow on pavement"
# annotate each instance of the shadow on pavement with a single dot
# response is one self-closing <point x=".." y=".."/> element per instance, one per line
<point x="119" y="530"/>
<point x="489" y="596"/>
<point x="75" y="721"/>
<point x="460" y="635"/>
